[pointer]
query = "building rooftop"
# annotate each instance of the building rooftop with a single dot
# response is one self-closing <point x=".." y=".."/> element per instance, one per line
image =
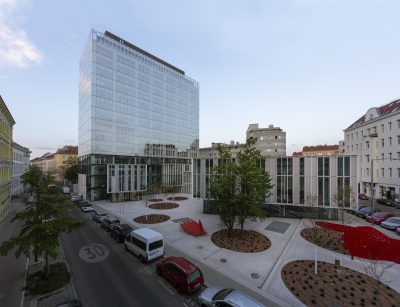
<point x="391" y="107"/>
<point x="132" y="46"/>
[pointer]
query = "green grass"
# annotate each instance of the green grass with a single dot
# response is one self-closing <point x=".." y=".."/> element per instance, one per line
<point x="39" y="284"/>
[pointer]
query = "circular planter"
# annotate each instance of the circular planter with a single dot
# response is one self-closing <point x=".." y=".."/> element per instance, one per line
<point x="151" y="219"/>
<point x="177" y="198"/>
<point x="249" y="241"/>
<point x="325" y="238"/>
<point x="164" y="206"/>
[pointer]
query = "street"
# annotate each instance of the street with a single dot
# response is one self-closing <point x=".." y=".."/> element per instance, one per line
<point x="106" y="275"/>
<point x="12" y="270"/>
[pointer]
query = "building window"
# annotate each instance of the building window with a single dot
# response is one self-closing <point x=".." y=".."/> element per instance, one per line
<point x="390" y="156"/>
<point x="367" y="144"/>
<point x="383" y="142"/>
<point x="367" y="172"/>
<point x="390" y="173"/>
<point x="398" y="140"/>
<point x="383" y="156"/>
<point x="323" y="181"/>
<point x="390" y="141"/>
<point x="398" y="123"/>
<point x="356" y="147"/>
<point x="398" y="155"/>
<point x="390" y="125"/>
<point x="398" y="172"/>
<point x="367" y="158"/>
<point x="284" y="187"/>
<point x="382" y="172"/>
<point x="383" y="128"/>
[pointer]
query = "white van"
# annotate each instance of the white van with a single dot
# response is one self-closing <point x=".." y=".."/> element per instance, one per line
<point x="145" y="243"/>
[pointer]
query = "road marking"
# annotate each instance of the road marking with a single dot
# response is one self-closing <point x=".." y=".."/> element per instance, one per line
<point x="94" y="252"/>
<point x="147" y="270"/>
<point x="186" y="305"/>
<point x="169" y="290"/>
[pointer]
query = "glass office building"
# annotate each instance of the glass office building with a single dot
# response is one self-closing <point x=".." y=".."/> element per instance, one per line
<point x="138" y="121"/>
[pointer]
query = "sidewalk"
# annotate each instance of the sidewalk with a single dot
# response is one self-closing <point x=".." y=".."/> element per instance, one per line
<point x="258" y="274"/>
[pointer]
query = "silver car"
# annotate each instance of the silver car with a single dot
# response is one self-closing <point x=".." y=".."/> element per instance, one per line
<point x="391" y="223"/>
<point x="217" y="296"/>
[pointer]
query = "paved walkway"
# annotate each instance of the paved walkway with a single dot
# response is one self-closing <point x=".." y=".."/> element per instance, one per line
<point x="257" y="273"/>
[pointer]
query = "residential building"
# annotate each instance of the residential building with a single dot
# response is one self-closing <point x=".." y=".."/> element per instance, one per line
<point x="375" y="139"/>
<point x="45" y="162"/>
<point x="138" y="121"/>
<point x="20" y="165"/>
<point x="6" y="128"/>
<point x="271" y="141"/>
<point x="319" y="150"/>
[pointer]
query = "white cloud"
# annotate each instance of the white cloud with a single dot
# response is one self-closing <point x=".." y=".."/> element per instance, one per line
<point x="15" y="47"/>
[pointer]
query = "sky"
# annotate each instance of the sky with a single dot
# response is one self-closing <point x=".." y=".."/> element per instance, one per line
<point x="311" y="67"/>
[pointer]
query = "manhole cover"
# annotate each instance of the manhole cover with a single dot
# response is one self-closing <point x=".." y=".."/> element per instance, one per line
<point x="199" y="247"/>
<point x="223" y="260"/>
<point x="255" y="275"/>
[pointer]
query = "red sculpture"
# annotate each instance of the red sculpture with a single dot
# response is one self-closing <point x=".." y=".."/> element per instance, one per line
<point x="366" y="242"/>
<point x="194" y="228"/>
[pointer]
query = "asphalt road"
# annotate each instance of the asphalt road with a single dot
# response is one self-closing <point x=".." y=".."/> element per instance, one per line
<point x="106" y="275"/>
<point x="12" y="270"/>
<point x="383" y="208"/>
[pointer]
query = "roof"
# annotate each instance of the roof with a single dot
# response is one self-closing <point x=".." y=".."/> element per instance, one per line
<point x="184" y="264"/>
<point x="68" y="149"/>
<point x="20" y="147"/>
<point x="132" y="46"/>
<point x="6" y="111"/>
<point x="391" y="107"/>
<point x="320" y="147"/>
<point x="148" y="234"/>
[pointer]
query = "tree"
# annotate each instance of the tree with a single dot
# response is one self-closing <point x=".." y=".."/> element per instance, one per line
<point x="254" y="184"/>
<point x="45" y="219"/>
<point x="223" y="189"/>
<point x="344" y="198"/>
<point x="71" y="169"/>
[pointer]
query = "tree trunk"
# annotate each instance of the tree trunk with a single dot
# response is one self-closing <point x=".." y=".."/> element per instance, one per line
<point x="46" y="265"/>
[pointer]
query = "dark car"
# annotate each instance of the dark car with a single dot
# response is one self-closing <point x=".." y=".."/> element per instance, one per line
<point x="120" y="231"/>
<point x="386" y="202"/>
<point x="181" y="273"/>
<point x="363" y="196"/>
<point x="364" y="212"/>
<point x="354" y="210"/>
<point x="96" y="216"/>
<point x="391" y="223"/>
<point x="108" y="221"/>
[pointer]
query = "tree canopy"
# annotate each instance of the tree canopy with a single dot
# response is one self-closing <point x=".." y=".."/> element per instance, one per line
<point x="71" y="169"/>
<point x="45" y="218"/>
<point x="239" y="186"/>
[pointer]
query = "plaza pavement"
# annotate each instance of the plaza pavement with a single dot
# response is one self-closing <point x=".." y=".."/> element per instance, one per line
<point x="256" y="273"/>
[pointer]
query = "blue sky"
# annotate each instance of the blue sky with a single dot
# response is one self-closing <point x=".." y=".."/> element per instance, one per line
<point x="311" y="67"/>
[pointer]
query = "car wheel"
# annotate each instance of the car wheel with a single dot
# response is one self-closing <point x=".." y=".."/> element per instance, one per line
<point x="142" y="258"/>
<point x="178" y="288"/>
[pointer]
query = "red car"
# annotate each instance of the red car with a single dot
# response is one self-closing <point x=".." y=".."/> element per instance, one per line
<point x="181" y="273"/>
<point x="379" y="217"/>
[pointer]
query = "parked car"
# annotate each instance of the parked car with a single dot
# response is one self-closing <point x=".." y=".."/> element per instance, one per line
<point x="87" y="208"/>
<point x="363" y="196"/>
<point x="354" y="210"/>
<point x="386" y="202"/>
<point x="83" y="203"/>
<point x="364" y="212"/>
<point x="120" y="231"/>
<point x="75" y="198"/>
<point x="181" y="273"/>
<point x="108" y="221"/>
<point x="97" y="215"/>
<point x="217" y="296"/>
<point x="398" y="231"/>
<point x="391" y="223"/>
<point x="379" y="217"/>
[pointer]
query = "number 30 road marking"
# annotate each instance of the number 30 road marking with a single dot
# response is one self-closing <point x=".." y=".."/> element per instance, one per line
<point x="94" y="252"/>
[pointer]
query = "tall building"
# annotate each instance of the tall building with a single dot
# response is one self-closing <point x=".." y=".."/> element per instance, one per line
<point x="20" y="164"/>
<point x="6" y="127"/>
<point x="271" y="141"/>
<point x="138" y="121"/>
<point x="375" y="139"/>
